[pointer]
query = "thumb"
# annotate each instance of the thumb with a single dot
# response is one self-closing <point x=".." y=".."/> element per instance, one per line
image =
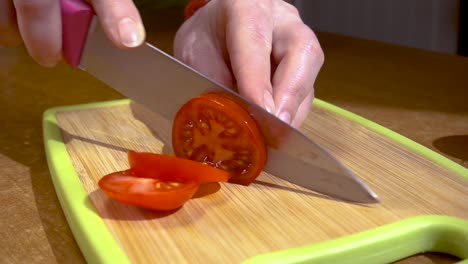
<point x="121" y="21"/>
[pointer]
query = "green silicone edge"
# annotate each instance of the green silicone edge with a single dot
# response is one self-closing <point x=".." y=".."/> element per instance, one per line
<point x="95" y="241"/>
<point x="99" y="246"/>
<point x="383" y="244"/>
<point x="406" y="142"/>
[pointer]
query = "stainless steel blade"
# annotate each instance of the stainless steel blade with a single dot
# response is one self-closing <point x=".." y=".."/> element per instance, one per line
<point x="162" y="84"/>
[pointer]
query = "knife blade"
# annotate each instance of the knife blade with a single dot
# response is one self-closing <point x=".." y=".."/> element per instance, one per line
<point x="162" y="84"/>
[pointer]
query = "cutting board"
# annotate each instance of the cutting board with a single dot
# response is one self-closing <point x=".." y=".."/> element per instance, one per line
<point x="424" y="197"/>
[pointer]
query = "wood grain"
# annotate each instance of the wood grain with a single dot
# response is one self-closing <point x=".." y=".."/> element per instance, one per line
<point x="237" y="222"/>
<point x="385" y="83"/>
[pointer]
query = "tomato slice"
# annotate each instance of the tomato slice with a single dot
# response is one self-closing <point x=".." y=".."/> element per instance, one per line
<point x="150" y="193"/>
<point x="171" y="168"/>
<point x="159" y="182"/>
<point x="215" y="130"/>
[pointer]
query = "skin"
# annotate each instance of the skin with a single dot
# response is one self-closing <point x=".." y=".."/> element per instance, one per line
<point x="260" y="48"/>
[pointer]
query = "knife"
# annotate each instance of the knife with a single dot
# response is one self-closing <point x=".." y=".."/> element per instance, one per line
<point x="162" y="84"/>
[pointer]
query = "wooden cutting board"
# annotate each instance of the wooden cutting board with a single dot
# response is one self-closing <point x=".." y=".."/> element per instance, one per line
<point x="228" y="223"/>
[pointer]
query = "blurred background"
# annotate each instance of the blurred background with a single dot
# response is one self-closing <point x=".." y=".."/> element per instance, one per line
<point x="436" y="25"/>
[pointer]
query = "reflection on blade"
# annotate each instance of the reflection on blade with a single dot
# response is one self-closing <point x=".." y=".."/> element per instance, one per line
<point x="296" y="158"/>
<point x="162" y="85"/>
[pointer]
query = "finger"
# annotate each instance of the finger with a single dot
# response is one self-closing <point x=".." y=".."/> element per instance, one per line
<point x="303" y="110"/>
<point x="299" y="58"/>
<point x="121" y="21"/>
<point x="249" y="31"/>
<point x="39" y="23"/>
<point x="9" y="34"/>
<point x="196" y="48"/>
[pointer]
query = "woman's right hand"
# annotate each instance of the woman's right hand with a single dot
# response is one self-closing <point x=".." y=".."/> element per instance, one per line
<point x="37" y="24"/>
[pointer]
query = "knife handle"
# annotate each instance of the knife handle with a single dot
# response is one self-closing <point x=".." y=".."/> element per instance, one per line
<point x="76" y="20"/>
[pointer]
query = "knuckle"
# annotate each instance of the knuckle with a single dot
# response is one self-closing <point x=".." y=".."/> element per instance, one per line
<point x="316" y="51"/>
<point x="309" y="43"/>
<point x="299" y="92"/>
<point x="254" y="17"/>
<point x="260" y="35"/>
<point x="290" y="8"/>
<point x="296" y="91"/>
<point x="184" y="45"/>
<point x="264" y="5"/>
<point x="259" y="5"/>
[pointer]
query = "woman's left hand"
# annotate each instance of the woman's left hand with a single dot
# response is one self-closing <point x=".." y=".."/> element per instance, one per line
<point x="262" y="48"/>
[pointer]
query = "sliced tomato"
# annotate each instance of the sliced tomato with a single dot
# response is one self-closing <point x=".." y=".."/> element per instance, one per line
<point x="149" y="193"/>
<point x="192" y="6"/>
<point x="159" y="182"/>
<point x="172" y="168"/>
<point x="215" y="130"/>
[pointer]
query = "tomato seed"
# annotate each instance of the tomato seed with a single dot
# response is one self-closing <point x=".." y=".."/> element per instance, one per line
<point x="232" y="130"/>
<point x="205" y="125"/>
<point x="220" y="118"/>
<point x="223" y="167"/>
<point x="187" y="151"/>
<point x="244" y="158"/>
<point x="226" y="134"/>
<point x="189" y="125"/>
<point x="174" y="184"/>
<point x="241" y="163"/>
<point x="187" y="133"/>
<point x="202" y="153"/>
<point x="209" y="112"/>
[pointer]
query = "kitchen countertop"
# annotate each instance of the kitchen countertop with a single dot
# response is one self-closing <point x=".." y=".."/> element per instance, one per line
<point x="419" y="94"/>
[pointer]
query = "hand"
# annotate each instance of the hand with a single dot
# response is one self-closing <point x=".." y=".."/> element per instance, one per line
<point x="261" y="48"/>
<point x="37" y="23"/>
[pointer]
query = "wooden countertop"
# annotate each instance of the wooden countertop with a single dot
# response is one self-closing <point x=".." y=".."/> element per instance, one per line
<point x="421" y="95"/>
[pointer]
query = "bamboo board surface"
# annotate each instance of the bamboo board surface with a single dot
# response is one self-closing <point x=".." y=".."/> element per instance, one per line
<point x="231" y="223"/>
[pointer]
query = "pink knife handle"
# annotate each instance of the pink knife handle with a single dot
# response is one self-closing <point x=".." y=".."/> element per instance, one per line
<point x="76" y="20"/>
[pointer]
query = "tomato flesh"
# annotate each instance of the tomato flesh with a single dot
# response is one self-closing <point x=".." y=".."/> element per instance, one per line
<point x="149" y="193"/>
<point x="165" y="167"/>
<point x="214" y="130"/>
<point x="158" y="182"/>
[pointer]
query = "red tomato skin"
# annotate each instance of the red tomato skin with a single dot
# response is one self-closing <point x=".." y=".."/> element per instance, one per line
<point x="238" y="115"/>
<point x="166" y="167"/>
<point x="192" y="6"/>
<point x="120" y="186"/>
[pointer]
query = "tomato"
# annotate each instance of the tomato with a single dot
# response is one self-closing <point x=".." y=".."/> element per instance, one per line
<point x="165" y="167"/>
<point x="149" y="193"/>
<point x="159" y="182"/>
<point x="215" y="130"/>
<point x="192" y="6"/>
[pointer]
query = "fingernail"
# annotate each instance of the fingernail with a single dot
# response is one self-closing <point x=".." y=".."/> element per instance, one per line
<point x="48" y="63"/>
<point x="268" y="102"/>
<point x="131" y="34"/>
<point x="285" y="116"/>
